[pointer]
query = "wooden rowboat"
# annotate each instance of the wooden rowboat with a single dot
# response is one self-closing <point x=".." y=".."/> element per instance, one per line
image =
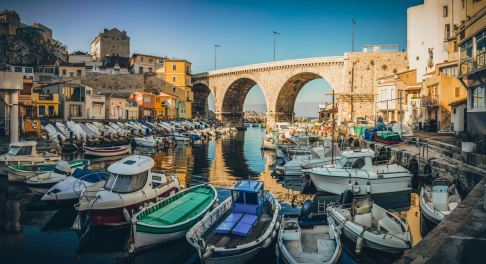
<point x="106" y="151"/>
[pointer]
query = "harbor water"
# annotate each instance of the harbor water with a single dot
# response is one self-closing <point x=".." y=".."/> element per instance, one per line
<point x="33" y="232"/>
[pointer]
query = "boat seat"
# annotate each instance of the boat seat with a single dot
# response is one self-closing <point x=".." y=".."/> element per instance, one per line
<point x="245" y="225"/>
<point x="228" y="223"/>
<point x="362" y="206"/>
<point x="388" y="225"/>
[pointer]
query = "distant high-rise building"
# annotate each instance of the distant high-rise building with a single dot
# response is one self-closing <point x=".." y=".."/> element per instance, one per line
<point x="111" y="42"/>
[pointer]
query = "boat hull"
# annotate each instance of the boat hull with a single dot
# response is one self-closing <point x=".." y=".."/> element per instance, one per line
<point x="337" y="185"/>
<point x="41" y="188"/>
<point x="106" y="152"/>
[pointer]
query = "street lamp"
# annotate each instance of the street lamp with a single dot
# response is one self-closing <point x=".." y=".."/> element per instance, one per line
<point x="215" y="46"/>
<point x="278" y="33"/>
<point x="352" y="37"/>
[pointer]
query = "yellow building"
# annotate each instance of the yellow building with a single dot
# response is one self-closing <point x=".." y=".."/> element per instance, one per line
<point x="177" y="75"/>
<point x="140" y="63"/>
<point x="68" y="70"/>
<point x="46" y="105"/>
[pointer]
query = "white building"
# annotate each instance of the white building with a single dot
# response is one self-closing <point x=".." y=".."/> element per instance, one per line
<point x="430" y="34"/>
<point x="95" y="104"/>
<point x="27" y="71"/>
<point x="83" y="57"/>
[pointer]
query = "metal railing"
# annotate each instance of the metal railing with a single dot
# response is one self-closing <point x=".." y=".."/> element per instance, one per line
<point x="466" y="65"/>
<point x="429" y="100"/>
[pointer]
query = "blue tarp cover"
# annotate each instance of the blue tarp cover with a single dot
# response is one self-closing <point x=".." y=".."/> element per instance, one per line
<point x="90" y="176"/>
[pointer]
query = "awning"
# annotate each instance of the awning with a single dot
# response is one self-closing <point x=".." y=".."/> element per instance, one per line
<point x="412" y="88"/>
<point x="459" y="102"/>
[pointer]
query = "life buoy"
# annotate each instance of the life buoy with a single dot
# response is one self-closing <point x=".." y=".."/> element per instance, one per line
<point x="35" y="124"/>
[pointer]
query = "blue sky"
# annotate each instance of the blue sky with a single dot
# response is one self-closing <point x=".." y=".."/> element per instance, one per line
<point x="243" y="29"/>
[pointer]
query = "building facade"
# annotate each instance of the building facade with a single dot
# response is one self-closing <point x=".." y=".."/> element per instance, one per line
<point x="70" y="70"/>
<point x="111" y="42"/>
<point x="140" y="63"/>
<point x="46" y="70"/>
<point x="177" y="76"/>
<point x="116" y="107"/>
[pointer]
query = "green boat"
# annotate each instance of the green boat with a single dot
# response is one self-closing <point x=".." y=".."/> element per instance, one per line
<point x="172" y="217"/>
<point x="19" y="173"/>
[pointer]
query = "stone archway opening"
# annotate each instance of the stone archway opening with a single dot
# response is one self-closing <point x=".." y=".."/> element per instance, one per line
<point x="200" y="107"/>
<point x="292" y="103"/>
<point x="234" y="101"/>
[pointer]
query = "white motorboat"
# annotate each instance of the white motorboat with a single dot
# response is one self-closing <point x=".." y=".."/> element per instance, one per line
<point x="24" y="153"/>
<point x="304" y="239"/>
<point x="71" y="126"/>
<point x="131" y="184"/>
<point x="54" y="133"/>
<point x="94" y="128"/>
<point x="18" y="173"/>
<point x="319" y="157"/>
<point x="180" y="137"/>
<point x="63" y="129"/>
<point x="355" y="171"/>
<point x="68" y="191"/>
<point x="88" y="131"/>
<point x="40" y="183"/>
<point x="148" y="141"/>
<point x="438" y="200"/>
<point x="371" y="226"/>
<point x="237" y="230"/>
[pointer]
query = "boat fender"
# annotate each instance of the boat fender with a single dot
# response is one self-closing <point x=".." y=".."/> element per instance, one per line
<point x="350" y="186"/>
<point x="359" y="245"/>
<point x="131" y="248"/>
<point x="208" y="253"/>
<point x="368" y="187"/>
<point x="151" y="203"/>
<point x="276" y="226"/>
<point x="356" y="188"/>
<point x="277" y="250"/>
<point x="267" y="242"/>
<point x="274" y="234"/>
<point x="127" y="215"/>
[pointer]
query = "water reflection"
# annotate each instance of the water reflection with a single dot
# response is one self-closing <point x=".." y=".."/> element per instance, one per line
<point x="29" y="228"/>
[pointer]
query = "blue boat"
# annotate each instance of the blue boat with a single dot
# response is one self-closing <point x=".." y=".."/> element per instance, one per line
<point x="240" y="227"/>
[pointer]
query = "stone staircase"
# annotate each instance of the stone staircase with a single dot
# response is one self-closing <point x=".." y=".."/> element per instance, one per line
<point x="446" y="129"/>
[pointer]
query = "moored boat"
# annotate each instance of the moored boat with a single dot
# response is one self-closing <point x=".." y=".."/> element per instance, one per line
<point x="40" y="183"/>
<point x="24" y="153"/>
<point x="18" y="173"/>
<point x="309" y="238"/>
<point x="371" y="226"/>
<point x="131" y="184"/>
<point x="239" y="228"/>
<point x="106" y="151"/>
<point x="438" y="200"/>
<point x="67" y="192"/>
<point x="171" y="218"/>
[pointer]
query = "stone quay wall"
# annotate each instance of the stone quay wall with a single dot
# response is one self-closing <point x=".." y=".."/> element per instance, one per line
<point x="126" y="83"/>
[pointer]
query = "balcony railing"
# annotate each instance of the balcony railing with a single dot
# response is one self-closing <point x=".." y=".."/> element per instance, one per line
<point x="45" y="97"/>
<point x="466" y="65"/>
<point x="429" y="100"/>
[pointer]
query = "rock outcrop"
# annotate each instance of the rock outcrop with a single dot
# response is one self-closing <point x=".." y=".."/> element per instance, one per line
<point x="26" y="49"/>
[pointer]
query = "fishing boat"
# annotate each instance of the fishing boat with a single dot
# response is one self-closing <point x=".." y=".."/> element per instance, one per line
<point x="239" y="228"/>
<point x="171" y="218"/>
<point x="148" y="141"/>
<point x="318" y="157"/>
<point x="307" y="238"/>
<point x="180" y="137"/>
<point x="355" y="171"/>
<point x="40" y="183"/>
<point x="67" y="192"/>
<point x="24" y="153"/>
<point x="131" y="184"/>
<point x="371" y="226"/>
<point x="18" y="173"/>
<point x="106" y="151"/>
<point x="438" y="200"/>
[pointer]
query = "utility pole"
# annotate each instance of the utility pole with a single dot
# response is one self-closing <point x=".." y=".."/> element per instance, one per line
<point x="352" y="37"/>
<point x="215" y="46"/>
<point x="278" y="33"/>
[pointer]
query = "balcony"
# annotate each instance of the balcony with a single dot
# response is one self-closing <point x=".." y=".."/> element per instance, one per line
<point x="45" y="97"/>
<point x="429" y="101"/>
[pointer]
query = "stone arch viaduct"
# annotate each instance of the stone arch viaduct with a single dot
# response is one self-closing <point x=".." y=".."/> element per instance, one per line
<point x="352" y="77"/>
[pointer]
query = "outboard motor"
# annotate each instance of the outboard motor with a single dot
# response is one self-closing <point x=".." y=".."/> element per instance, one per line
<point x="306" y="209"/>
<point x="347" y="198"/>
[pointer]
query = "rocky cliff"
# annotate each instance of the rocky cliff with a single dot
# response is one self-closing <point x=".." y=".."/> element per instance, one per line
<point x="26" y="49"/>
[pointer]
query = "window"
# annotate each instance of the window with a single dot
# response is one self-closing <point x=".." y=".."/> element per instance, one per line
<point x="15" y="150"/>
<point x="126" y="183"/>
<point x="79" y="72"/>
<point x="71" y="74"/>
<point x="161" y="112"/>
<point x="146" y="98"/>
<point x="477" y="100"/>
<point x="150" y="69"/>
<point x="174" y="67"/>
<point x="42" y="110"/>
<point x="188" y="82"/>
<point x="75" y="110"/>
<point x="392" y="91"/>
<point x="28" y="70"/>
<point x="455" y="46"/>
<point x="141" y="58"/>
<point x="140" y="70"/>
<point x="463" y="4"/>
<point x="49" y="70"/>
<point x="251" y="198"/>
<point x="447" y="31"/>
<point x="174" y="89"/>
<point x="446" y="11"/>
<point x="51" y="110"/>
<point x="113" y="111"/>
<point x="457" y="91"/>
<point x="174" y="78"/>
<point x="188" y="70"/>
<point x="161" y="61"/>
<point x="417" y="58"/>
<point x="157" y="99"/>
<point x="480" y="43"/>
<point x="63" y="71"/>
<point x="18" y="69"/>
<point x="466" y="50"/>
<point x="238" y="197"/>
<point x="445" y="46"/>
<point x="146" y="112"/>
<point x="151" y="60"/>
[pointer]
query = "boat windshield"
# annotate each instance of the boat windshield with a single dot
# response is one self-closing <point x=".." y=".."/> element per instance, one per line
<point x="16" y="150"/>
<point x="126" y="183"/>
<point x="351" y="163"/>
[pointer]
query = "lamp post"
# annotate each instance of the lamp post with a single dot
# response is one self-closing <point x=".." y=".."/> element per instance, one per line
<point x="352" y="37"/>
<point x="215" y="46"/>
<point x="278" y="33"/>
